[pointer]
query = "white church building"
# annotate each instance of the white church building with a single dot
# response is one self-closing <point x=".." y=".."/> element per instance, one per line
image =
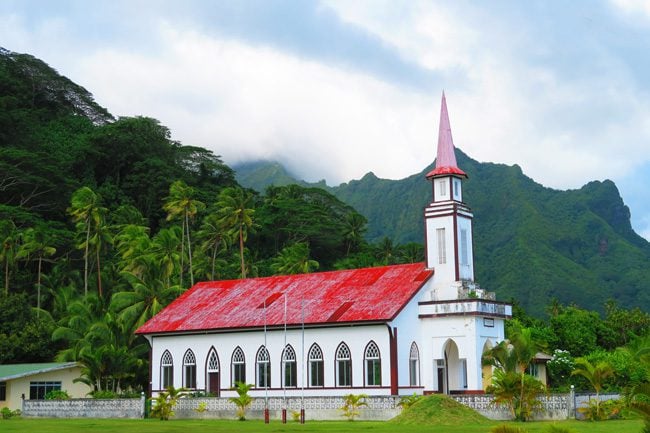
<point x="391" y="330"/>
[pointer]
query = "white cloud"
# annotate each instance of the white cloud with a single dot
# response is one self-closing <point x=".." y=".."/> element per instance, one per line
<point x="251" y="102"/>
<point x="633" y="8"/>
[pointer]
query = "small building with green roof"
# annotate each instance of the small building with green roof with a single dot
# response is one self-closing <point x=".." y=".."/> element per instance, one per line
<point x="34" y="381"/>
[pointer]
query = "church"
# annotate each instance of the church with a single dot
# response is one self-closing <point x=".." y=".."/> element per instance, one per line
<point x="392" y="330"/>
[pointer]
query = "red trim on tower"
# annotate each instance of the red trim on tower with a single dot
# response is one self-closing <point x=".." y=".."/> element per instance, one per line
<point x="392" y="336"/>
<point x="456" y="267"/>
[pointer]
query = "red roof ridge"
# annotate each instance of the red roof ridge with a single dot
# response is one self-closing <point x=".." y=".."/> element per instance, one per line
<point x="341" y="296"/>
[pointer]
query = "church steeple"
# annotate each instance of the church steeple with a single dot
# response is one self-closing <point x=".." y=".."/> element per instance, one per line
<point x="448" y="221"/>
<point x="446" y="158"/>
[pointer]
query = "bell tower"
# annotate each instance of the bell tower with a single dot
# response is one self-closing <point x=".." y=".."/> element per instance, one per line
<point x="448" y="220"/>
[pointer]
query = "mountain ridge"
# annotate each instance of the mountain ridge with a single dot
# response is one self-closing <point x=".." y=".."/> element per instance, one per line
<point x="532" y="243"/>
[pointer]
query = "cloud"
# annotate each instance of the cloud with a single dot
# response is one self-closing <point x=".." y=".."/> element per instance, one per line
<point x="633" y="8"/>
<point x="252" y="102"/>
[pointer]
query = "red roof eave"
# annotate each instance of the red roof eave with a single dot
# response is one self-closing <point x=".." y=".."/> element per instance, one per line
<point x="446" y="171"/>
<point x="325" y="298"/>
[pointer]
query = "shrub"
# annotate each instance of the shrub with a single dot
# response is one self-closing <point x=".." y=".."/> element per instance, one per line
<point x="8" y="413"/>
<point x="105" y="394"/>
<point x="243" y="400"/>
<point x="599" y="411"/>
<point x="409" y="400"/>
<point x="352" y="404"/>
<point x="203" y="407"/>
<point x="57" y="394"/>
<point x="165" y="402"/>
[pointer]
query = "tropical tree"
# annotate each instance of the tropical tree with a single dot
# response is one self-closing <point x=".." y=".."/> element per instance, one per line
<point x="236" y="213"/>
<point x="163" y="407"/>
<point x="86" y="211"/>
<point x="36" y="245"/>
<point x="354" y="228"/>
<point x="215" y="237"/>
<point x="165" y="255"/>
<point x="243" y="399"/>
<point x="181" y="204"/>
<point x="9" y="236"/>
<point x="352" y="403"/>
<point x="294" y="259"/>
<point x="147" y="298"/>
<point x="596" y="374"/>
<point x="512" y="358"/>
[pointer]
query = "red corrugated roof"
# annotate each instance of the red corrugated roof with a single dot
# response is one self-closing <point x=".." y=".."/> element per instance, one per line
<point x="369" y="294"/>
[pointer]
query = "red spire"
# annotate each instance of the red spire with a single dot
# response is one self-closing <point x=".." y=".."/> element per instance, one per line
<point x="446" y="158"/>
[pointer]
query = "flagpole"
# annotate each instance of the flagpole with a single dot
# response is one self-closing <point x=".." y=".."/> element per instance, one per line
<point x="266" y="373"/>
<point x="302" y="397"/>
<point x="283" y="375"/>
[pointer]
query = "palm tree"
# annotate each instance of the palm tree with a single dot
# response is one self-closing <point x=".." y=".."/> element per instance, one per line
<point x="294" y="259"/>
<point x="595" y="375"/>
<point x="146" y="299"/>
<point x="236" y="212"/>
<point x="180" y="203"/>
<point x="243" y="400"/>
<point x="215" y="237"/>
<point x="385" y="251"/>
<point x="354" y="227"/>
<point x="86" y="211"/>
<point x="36" y="244"/>
<point x="164" y="253"/>
<point x="9" y="239"/>
<point x="512" y="357"/>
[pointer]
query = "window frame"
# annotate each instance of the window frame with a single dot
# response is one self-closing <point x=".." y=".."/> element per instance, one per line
<point x="237" y="366"/>
<point x="414" y="365"/>
<point x="189" y="369"/>
<point x="263" y="359"/>
<point x="316" y="367"/>
<point x="166" y="370"/>
<point x="290" y="363"/>
<point x="339" y="360"/>
<point x="372" y="365"/>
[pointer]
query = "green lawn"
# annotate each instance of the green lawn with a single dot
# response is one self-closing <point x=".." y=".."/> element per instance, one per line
<point x="33" y="425"/>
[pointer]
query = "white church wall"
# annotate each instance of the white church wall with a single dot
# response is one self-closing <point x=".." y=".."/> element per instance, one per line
<point x="409" y="331"/>
<point x="356" y="337"/>
<point x="465" y="253"/>
<point x="441" y="259"/>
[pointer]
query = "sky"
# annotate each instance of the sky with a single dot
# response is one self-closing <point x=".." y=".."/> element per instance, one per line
<point x="337" y="88"/>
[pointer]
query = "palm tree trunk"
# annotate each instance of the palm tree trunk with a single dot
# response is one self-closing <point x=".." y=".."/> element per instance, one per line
<point x="99" y="275"/>
<point x="6" y="276"/>
<point x="214" y="259"/>
<point x="86" y="258"/>
<point x="241" y="252"/>
<point x="189" y="248"/>
<point x="182" y="250"/>
<point x="38" y="287"/>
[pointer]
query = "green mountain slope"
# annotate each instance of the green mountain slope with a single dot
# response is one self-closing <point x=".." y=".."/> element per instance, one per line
<point x="531" y="243"/>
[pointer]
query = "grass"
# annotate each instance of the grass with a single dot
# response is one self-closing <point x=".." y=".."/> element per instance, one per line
<point x="222" y="426"/>
<point x="439" y="410"/>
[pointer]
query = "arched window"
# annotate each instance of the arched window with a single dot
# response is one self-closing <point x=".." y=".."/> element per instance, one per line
<point x="343" y="366"/>
<point x="372" y="360"/>
<point x="316" y="369"/>
<point x="414" y="365"/>
<point x="263" y="368"/>
<point x="212" y="373"/>
<point x="238" y="366"/>
<point x="189" y="370"/>
<point x="166" y="370"/>
<point x="289" y="373"/>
